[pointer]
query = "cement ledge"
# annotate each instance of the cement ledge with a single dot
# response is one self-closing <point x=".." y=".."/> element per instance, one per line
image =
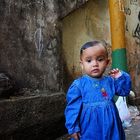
<point x="24" y="112"/>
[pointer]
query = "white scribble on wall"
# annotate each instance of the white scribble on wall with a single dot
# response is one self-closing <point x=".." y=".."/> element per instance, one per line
<point x="9" y="6"/>
<point x="38" y="36"/>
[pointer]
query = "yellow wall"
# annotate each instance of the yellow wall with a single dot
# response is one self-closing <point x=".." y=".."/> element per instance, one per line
<point x="85" y="24"/>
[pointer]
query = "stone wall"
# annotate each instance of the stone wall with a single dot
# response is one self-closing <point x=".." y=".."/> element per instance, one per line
<point x="34" y="117"/>
<point x="30" y="42"/>
<point x="30" y="53"/>
<point x="132" y="26"/>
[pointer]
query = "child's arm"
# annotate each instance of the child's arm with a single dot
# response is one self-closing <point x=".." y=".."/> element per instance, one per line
<point x="73" y="108"/>
<point x="122" y="82"/>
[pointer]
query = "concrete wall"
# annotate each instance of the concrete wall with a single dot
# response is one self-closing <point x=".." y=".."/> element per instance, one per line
<point x="87" y="23"/>
<point x="30" y="52"/>
<point x="132" y="26"/>
<point x="35" y="117"/>
<point x="30" y="43"/>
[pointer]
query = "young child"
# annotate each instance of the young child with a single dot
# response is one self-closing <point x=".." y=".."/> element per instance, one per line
<point x="91" y="113"/>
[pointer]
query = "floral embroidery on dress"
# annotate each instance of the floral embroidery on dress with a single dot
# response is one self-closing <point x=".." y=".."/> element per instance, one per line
<point x="104" y="94"/>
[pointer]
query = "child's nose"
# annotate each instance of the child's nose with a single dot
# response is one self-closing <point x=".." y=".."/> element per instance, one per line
<point x="95" y="63"/>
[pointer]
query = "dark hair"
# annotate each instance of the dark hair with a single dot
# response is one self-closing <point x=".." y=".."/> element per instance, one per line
<point x="93" y="43"/>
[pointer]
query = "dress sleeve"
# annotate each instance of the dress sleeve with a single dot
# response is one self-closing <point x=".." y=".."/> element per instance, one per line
<point x="123" y="84"/>
<point x="73" y="108"/>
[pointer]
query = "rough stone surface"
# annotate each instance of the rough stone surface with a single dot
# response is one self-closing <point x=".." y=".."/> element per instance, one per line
<point x="30" y="52"/>
<point x="132" y="132"/>
<point x="26" y="117"/>
<point x="67" y="6"/>
<point x="30" y="43"/>
<point x="132" y="26"/>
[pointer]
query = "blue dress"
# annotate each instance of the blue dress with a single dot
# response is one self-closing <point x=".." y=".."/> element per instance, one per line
<point x="91" y="109"/>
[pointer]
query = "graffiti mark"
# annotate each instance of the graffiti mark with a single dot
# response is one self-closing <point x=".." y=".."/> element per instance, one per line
<point x="139" y="16"/>
<point x="134" y="2"/>
<point x="126" y="26"/>
<point x="127" y="11"/>
<point x="136" y="33"/>
<point x="52" y="44"/>
<point x="39" y="41"/>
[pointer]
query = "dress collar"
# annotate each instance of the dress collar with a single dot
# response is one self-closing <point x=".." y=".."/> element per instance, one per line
<point x="95" y="79"/>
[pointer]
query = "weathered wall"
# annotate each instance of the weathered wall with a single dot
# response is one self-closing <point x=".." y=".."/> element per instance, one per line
<point x="132" y="11"/>
<point x="30" y="51"/>
<point x="34" y="117"/>
<point x="30" y="43"/>
<point x="89" y="22"/>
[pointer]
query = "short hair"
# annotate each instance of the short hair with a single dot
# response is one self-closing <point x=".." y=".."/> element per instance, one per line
<point x="94" y="43"/>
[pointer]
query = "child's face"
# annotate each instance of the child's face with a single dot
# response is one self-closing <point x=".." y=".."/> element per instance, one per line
<point x="94" y="61"/>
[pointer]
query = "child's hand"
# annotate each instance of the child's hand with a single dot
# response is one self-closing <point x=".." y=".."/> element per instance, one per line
<point x="115" y="73"/>
<point x="76" y="136"/>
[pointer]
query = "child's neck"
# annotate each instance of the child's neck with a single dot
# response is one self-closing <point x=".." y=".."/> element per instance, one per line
<point x="98" y="78"/>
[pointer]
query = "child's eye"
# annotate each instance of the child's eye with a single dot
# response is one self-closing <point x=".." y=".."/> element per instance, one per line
<point x="88" y="60"/>
<point x="100" y="59"/>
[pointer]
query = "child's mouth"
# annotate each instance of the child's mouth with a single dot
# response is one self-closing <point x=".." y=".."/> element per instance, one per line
<point x="95" y="71"/>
